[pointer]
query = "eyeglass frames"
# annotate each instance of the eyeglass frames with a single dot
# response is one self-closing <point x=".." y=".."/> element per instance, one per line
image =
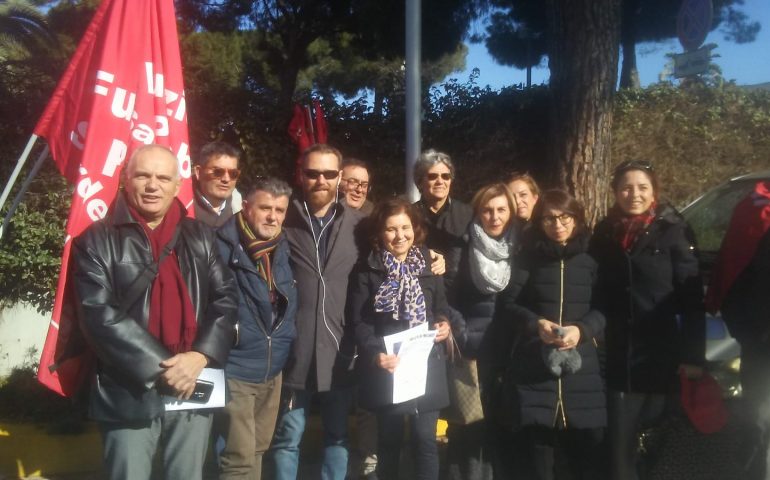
<point x="219" y="172"/>
<point x="314" y="174"/>
<point x="550" y="220"/>
<point x="356" y="184"/>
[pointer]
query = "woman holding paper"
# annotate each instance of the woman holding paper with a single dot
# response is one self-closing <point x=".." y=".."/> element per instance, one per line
<point x="391" y="291"/>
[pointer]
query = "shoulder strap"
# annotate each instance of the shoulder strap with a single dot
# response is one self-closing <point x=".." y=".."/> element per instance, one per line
<point x="140" y="284"/>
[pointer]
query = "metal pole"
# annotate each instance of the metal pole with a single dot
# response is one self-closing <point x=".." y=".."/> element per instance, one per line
<point x="23" y="190"/>
<point x="413" y="93"/>
<point x="15" y="174"/>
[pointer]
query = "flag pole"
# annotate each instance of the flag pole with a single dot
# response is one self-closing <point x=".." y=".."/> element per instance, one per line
<point x="24" y="186"/>
<point x="309" y="114"/>
<point x="413" y="93"/>
<point x="15" y="174"/>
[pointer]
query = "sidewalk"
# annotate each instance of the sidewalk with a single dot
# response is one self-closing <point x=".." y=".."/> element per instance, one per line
<point x="67" y="453"/>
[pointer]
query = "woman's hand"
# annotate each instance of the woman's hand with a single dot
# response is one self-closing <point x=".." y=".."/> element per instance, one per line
<point x="387" y="362"/>
<point x="443" y="329"/>
<point x="692" y="372"/>
<point x="437" y="263"/>
<point x="570" y="338"/>
<point x="546" y="331"/>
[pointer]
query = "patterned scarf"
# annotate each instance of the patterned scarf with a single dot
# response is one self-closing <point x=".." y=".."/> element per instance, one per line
<point x="401" y="293"/>
<point x="627" y="228"/>
<point x="259" y="251"/>
<point x="172" y="316"/>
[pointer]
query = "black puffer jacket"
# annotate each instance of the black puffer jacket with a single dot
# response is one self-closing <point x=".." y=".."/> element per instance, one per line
<point x="376" y="384"/>
<point x="556" y="283"/>
<point x="652" y="297"/>
<point x="107" y="257"/>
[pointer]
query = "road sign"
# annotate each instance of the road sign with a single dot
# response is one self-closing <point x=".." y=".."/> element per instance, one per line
<point x="694" y="22"/>
<point x="692" y="63"/>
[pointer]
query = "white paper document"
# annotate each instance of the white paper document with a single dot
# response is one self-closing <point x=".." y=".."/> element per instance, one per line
<point x="413" y="348"/>
<point x="216" y="400"/>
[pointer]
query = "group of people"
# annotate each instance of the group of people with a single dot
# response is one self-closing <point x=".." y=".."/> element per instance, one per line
<point x="579" y="337"/>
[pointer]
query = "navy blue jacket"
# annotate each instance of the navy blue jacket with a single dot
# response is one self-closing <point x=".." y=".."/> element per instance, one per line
<point x="263" y="344"/>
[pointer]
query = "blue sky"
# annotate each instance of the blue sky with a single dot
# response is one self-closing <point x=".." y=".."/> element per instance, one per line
<point x="747" y="64"/>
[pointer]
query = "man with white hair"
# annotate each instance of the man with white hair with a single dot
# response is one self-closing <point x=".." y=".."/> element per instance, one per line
<point x="156" y="305"/>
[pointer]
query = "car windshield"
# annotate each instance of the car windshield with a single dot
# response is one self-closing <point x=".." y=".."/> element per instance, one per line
<point x="709" y="216"/>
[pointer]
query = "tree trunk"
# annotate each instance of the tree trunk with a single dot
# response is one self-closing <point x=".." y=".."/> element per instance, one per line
<point x="379" y="103"/>
<point x="629" y="75"/>
<point x="289" y="71"/>
<point x="583" y="59"/>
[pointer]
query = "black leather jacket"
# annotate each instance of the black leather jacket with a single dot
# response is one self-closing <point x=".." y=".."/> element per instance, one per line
<point x="106" y="259"/>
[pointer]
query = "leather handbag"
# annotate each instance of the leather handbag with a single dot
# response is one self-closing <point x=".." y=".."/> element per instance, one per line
<point x="463" y="384"/>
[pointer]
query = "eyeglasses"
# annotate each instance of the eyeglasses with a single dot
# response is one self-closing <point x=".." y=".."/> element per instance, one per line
<point x="219" y="172"/>
<point x="550" y="220"/>
<point x="314" y="174"/>
<point x="434" y="176"/>
<point x="356" y="184"/>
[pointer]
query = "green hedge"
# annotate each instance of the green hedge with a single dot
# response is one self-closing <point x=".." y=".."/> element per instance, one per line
<point x="696" y="136"/>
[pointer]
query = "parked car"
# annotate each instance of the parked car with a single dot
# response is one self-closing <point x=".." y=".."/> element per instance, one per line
<point x="709" y="216"/>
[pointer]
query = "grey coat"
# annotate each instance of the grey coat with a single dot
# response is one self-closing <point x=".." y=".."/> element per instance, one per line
<point x="322" y="333"/>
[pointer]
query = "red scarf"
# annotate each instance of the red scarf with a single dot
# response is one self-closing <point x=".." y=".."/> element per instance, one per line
<point x="172" y="316"/>
<point x="750" y="221"/>
<point x="627" y="228"/>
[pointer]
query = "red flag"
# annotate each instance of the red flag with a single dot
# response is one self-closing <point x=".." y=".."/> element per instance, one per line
<point x="122" y="89"/>
<point x="748" y="224"/>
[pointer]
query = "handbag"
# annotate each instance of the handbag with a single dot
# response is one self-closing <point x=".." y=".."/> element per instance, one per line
<point x="463" y="384"/>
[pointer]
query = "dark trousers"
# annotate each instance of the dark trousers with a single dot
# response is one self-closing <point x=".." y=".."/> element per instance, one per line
<point x="422" y="434"/>
<point x="582" y="449"/>
<point x="469" y="453"/>
<point x="628" y="413"/>
<point x="755" y="379"/>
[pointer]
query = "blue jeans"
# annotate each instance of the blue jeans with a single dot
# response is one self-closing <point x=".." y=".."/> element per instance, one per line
<point x="335" y="407"/>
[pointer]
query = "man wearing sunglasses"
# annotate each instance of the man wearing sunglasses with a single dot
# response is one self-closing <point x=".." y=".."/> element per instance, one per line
<point x="355" y="185"/>
<point x="320" y="231"/>
<point x="215" y="175"/>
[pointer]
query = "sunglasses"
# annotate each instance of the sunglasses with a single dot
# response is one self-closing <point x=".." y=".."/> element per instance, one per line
<point x="219" y="172"/>
<point x="633" y="165"/>
<point x="314" y="174"/>
<point x="434" y="176"/>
